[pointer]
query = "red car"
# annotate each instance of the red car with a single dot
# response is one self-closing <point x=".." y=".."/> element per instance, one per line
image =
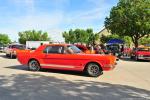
<point x="66" y="57"/>
<point x="141" y="54"/>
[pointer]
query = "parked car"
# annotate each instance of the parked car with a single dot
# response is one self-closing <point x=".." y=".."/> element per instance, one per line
<point x="1" y="48"/>
<point x="114" y="49"/>
<point x="11" y="50"/>
<point x="141" y="54"/>
<point x="66" y="57"/>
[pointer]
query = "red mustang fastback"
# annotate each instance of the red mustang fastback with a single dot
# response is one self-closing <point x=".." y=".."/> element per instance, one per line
<point x="66" y="57"/>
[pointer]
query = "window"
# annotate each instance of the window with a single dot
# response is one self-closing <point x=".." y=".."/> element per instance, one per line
<point x="74" y="49"/>
<point x="54" y="49"/>
<point x="17" y="46"/>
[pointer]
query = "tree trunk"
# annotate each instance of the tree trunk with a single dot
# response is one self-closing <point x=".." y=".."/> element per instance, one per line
<point x="135" y="41"/>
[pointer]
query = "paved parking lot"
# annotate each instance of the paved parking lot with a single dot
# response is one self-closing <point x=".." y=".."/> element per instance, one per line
<point x="130" y="80"/>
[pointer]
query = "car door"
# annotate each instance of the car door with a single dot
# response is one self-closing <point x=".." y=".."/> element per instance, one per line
<point x="55" y="57"/>
<point x="58" y="58"/>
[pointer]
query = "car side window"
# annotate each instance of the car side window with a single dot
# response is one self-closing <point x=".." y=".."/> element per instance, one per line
<point x="54" y="50"/>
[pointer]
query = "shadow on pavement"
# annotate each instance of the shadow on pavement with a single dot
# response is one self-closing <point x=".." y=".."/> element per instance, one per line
<point x="3" y="55"/>
<point x="25" y="68"/>
<point x="39" y="87"/>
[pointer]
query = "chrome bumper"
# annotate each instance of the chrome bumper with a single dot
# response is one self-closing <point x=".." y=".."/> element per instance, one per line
<point x="144" y="58"/>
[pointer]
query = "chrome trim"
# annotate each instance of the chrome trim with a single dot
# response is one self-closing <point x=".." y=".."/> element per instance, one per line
<point x="60" y="66"/>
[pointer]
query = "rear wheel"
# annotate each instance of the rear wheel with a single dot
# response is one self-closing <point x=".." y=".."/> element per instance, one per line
<point x="34" y="65"/>
<point x="7" y="55"/>
<point x="93" y="70"/>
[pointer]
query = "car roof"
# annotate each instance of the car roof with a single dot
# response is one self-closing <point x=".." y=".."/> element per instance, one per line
<point x="57" y="44"/>
<point x="15" y="44"/>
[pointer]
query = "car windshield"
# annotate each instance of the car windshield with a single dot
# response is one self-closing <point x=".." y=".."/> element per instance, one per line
<point x="144" y="49"/>
<point x="74" y="48"/>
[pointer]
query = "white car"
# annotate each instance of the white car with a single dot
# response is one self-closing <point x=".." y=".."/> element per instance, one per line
<point x="11" y="50"/>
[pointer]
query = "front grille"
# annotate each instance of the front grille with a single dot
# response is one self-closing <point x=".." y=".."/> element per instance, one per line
<point x="146" y="55"/>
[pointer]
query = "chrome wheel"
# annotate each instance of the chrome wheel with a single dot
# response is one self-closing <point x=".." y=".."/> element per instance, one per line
<point x="136" y="58"/>
<point x="34" y="65"/>
<point x="94" y="70"/>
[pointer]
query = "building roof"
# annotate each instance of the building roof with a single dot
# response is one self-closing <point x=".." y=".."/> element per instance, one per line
<point x="105" y="32"/>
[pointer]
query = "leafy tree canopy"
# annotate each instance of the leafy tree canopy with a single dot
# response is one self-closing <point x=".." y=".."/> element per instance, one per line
<point x="32" y="35"/>
<point x="4" y="39"/>
<point x="144" y="40"/>
<point x="79" y="35"/>
<point x="130" y="18"/>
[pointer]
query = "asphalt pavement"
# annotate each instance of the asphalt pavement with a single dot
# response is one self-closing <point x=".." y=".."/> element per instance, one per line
<point x="130" y="80"/>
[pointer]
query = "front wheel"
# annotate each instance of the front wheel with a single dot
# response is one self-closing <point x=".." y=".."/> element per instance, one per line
<point x="93" y="70"/>
<point x="34" y="65"/>
<point x="136" y="58"/>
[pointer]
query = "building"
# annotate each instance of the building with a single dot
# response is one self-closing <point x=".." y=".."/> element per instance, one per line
<point x="104" y="32"/>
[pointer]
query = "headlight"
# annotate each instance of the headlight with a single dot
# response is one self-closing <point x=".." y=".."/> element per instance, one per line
<point x="14" y="52"/>
<point x="140" y="55"/>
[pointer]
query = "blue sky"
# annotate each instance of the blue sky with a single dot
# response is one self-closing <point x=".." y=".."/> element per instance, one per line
<point x="53" y="16"/>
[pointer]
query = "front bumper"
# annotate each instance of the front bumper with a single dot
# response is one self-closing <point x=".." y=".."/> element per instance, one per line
<point x="144" y="58"/>
<point x="109" y="66"/>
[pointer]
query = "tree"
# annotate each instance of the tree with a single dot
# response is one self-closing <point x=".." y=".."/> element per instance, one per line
<point x="33" y="35"/>
<point x="130" y="18"/>
<point x="144" y="40"/>
<point x="127" y="40"/>
<point x="79" y="35"/>
<point x="92" y="38"/>
<point x="4" y="39"/>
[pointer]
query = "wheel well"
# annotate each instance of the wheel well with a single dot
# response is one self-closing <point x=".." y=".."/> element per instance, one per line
<point x="93" y="62"/>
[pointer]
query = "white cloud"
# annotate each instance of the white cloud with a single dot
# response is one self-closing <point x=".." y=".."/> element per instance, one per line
<point x="52" y="21"/>
<point x="56" y="34"/>
<point x="86" y="16"/>
<point x="39" y="21"/>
